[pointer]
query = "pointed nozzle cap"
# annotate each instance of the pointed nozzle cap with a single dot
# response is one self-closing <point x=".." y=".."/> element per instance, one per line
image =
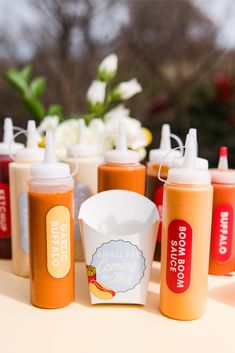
<point x="121" y="154"/>
<point x="189" y="173"/>
<point x="165" y="143"/>
<point x="81" y="149"/>
<point x="156" y="155"/>
<point x="190" y="153"/>
<point x="223" y="175"/>
<point x="201" y="163"/>
<point x="32" y="135"/>
<point x="8" y="134"/>
<point x="193" y="132"/>
<point x="50" y="168"/>
<point x="32" y="153"/>
<point x="8" y="146"/>
<point x="223" y="160"/>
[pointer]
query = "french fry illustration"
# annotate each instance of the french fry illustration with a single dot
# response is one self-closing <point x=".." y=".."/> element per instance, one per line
<point x="100" y="291"/>
<point x="91" y="273"/>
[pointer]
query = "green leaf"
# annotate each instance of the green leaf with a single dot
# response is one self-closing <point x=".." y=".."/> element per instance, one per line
<point x="55" y="109"/>
<point x="37" y="86"/>
<point x="14" y="77"/>
<point x="26" y="73"/>
<point x="35" y="107"/>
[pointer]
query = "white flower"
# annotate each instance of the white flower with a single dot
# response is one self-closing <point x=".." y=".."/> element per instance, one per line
<point x="96" y="92"/>
<point x="116" y="113"/>
<point x="109" y="64"/>
<point x="142" y="153"/>
<point x="128" y="89"/>
<point x="49" y="122"/>
<point x="67" y="132"/>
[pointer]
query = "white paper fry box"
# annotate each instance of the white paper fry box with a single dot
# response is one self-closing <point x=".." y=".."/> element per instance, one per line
<point x="118" y="230"/>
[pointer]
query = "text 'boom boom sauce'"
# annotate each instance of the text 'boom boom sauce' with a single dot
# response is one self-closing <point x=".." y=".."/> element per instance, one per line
<point x="51" y="231"/>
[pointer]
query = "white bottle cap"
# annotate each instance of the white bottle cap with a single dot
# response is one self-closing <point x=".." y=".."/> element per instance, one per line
<point x="81" y="149"/>
<point x="189" y="173"/>
<point x="156" y="155"/>
<point x="223" y="175"/>
<point x="121" y="154"/>
<point x="201" y="163"/>
<point x="8" y="146"/>
<point x="32" y="152"/>
<point x="50" y="168"/>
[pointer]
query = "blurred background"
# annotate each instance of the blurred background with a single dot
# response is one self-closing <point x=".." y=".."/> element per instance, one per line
<point x="182" y="52"/>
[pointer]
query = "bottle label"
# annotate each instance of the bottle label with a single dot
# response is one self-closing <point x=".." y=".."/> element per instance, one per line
<point x="5" y="218"/>
<point x="58" y="241"/>
<point x="81" y="193"/>
<point x="222" y="233"/>
<point x="24" y="234"/>
<point x="179" y="256"/>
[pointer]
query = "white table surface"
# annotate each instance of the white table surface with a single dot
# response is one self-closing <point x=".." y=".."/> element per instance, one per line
<point x="83" y="328"/>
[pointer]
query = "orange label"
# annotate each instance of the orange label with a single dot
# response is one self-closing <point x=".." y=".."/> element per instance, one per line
<point x="58" y="241"/>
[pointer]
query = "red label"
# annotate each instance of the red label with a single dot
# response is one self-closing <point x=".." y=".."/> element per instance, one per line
<point x="158" y="198"/>
<point x="5" y="219"/>
<point x="222" y="233"/>
<point x="179" y="256"/>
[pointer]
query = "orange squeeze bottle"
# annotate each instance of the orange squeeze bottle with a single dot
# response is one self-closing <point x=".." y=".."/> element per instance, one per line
<point x="187" y="212"/>
<point x="222" y="255"/>
<point x="51" y="231"/>
<point x="122" y="169"/>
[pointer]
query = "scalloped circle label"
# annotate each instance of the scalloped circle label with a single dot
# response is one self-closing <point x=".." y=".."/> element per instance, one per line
<point x="119" y="264"/>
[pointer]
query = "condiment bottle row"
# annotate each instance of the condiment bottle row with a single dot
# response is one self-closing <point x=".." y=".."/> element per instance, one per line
<point x="181" y="197"/>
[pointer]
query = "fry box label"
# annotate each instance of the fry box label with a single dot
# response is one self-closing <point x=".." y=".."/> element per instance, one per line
<point x="222" y="233"/>
<point x="179" y="256"/>
<point x="5" y="219"/>
<point x="120" y="265"/>
<point x="58" y="241"/>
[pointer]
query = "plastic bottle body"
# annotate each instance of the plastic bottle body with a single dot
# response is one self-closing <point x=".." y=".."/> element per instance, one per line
<point x="51" y="233"/>
<point x="222" y="254"/>
<point x="19" y="176"/>
<point x="122" y="176"/>
<point x="5" y="216"/>
<point x="187" y="213"/>
<point x="154" y="191"/>
<point x="86" y="180"/>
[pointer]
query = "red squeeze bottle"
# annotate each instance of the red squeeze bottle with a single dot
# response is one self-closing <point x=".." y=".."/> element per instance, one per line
<point x="222" y="255"/>
<point x="6" y="149"/>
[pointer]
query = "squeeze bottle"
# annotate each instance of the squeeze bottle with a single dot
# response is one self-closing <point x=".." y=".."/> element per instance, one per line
<point x="85" y="179"/>
<point x="51" y="227"/>
<point x="7" y="148"/>
<point x="222" y="255"/>
<point x="187" y="213"/>
<point x="154" y="186"/>
<point x="19" y="176"/>
<point x="122" y="169"/>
